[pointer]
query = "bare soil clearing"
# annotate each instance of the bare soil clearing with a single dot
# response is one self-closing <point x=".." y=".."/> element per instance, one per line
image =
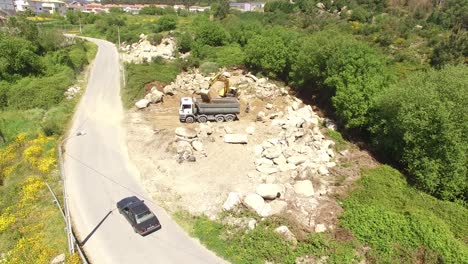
<point x="201" y="187"/>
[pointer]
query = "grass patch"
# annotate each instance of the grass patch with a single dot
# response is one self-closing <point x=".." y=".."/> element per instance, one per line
<point x="399" y="222"/>
<point x="137" y="75"/>
<point x="262" y="244"/>
<point x="340" y="142"/>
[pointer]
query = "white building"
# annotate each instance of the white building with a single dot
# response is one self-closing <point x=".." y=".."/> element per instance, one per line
<point x="7" y="7"/>
<point x="41" y="6"/>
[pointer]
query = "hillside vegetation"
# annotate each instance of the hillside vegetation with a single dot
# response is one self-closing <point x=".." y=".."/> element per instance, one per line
<point x="37" y="66"/>
<point x="392" y="74"/>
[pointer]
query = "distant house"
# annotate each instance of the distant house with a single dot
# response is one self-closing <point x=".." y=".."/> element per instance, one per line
<point x="42" y="6"/>
<point x="198" y="8"/>
<point x="7" y="7"/>
<point x="95" y="8"/>
<point x="76" y="6"/>
<point x="248" y="7"/>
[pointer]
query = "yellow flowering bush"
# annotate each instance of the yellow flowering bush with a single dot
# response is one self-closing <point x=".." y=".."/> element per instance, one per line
<point x="30" y="190"/>
<point x="34" y="155"/>
<point x="6" y="220"/>
<point x="20" y="138"/>
<point x="355" y="25"/>
<point x="30" y="250"/>
<point x="8" y="157"/>
<point x="46" y="164"/>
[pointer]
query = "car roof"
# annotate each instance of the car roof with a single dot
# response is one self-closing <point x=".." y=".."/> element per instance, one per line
<point x="138" y="207"/>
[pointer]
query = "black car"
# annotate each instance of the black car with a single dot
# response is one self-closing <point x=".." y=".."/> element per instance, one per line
<point x="139" y="215"/>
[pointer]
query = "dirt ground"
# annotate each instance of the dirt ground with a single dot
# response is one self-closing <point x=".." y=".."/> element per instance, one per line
<point x="201" y="187"/>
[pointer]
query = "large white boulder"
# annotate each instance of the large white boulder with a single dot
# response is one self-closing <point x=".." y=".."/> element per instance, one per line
<point x="278" y="207"/>
<point x="304" y="188"/>
<point x="142" y="103"/>
<point x="250" y="130"/>
<point x="184" y="146"/>
<point x="270" y="191"/>
<point x="197" y="145"/>
<point x="273" y="152"/>
<point x="169" y="90"/>
<point x="254" y="202"/>
<point x="155" y="96"/>
<point x="320" y="228"/>
<point x="267" y="169"/>
<point x="287" y="234"/>
<point x="232" y="201"/>
<point x="186" y="132"/>
<point x="297" y="159"/>
<point x="263" y="162"/>
<point x="236" y="138"/>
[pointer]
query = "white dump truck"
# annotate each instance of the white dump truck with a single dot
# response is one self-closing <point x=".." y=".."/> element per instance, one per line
<point x="218" y="109"/>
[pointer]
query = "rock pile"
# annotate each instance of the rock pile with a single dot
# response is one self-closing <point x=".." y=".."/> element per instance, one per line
<point x="188" y="141"/>
<point x="194" y="82"/>
<point x="71" y="92"/>
<point x="144" y="51"/>
<point x="153" y="97"/>
<point x="293" y="166"/>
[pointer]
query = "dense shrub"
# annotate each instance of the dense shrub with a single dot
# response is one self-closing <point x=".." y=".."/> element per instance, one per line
<point x="267" y="53"/>
<point x="422" y="122"/>
<point x="272" y="52"/>
<point x="220" y="9"/>
<point x="166" y="23"/>
<point x="279" y="5"/>
<point x="398" y="221"/>
<point x="184" y="42"/>
<point x="152" y="10"/>
<point x="453" y="50"/>
<point x="209" y="67"/>
<point x="347" y="71"/>
<point x="210" y="33"/>
<point x="18" y="58"/>
<point x="451" y="13"/>
<point x="40" y="92"/>
<point x="241" y="31"/>
<point x="155" y="38"/>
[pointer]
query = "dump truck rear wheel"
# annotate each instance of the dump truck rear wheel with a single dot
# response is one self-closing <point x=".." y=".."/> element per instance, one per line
<point x="189" y="119"/>
<point x="202" y="119"/>
<point x="230" y="118"/>
<point x="219" y="118"/>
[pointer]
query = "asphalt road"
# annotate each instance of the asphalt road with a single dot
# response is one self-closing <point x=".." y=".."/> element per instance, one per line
<point x="99" y="173"/>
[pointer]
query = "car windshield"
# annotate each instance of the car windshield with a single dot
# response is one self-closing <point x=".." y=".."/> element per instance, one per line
<point x="140" y="218"/>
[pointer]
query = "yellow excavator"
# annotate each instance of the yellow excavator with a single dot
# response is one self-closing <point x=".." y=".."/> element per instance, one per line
<point x="218" y="87"/>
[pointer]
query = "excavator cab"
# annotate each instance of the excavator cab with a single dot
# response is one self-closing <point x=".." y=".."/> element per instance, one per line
<point x="220" y="81"/>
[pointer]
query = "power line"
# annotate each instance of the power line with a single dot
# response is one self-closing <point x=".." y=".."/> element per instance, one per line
<point x="160" y="241"/>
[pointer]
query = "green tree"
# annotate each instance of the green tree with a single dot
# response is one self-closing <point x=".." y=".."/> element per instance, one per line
<point x="210" y="33"/>
<point x="220" y="9"/>
<point x="18" y="58"/>
<point x="184" y="42"/>
<point x="267" y="54"/>
<point x="346" y="71"/>
<point x="454" y="50"/>
<point x="166" y="23"/>
<point x="422" y="122"/>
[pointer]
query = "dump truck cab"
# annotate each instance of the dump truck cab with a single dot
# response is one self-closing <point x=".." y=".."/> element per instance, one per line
<point x="186" y="109"/>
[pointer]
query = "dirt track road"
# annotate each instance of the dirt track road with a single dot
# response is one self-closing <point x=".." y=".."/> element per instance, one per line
<point x="99" y="174"/>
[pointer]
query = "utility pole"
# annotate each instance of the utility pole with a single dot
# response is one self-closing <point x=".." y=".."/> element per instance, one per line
<point x="80" y="24"/>
<point x="118" y="33"/>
